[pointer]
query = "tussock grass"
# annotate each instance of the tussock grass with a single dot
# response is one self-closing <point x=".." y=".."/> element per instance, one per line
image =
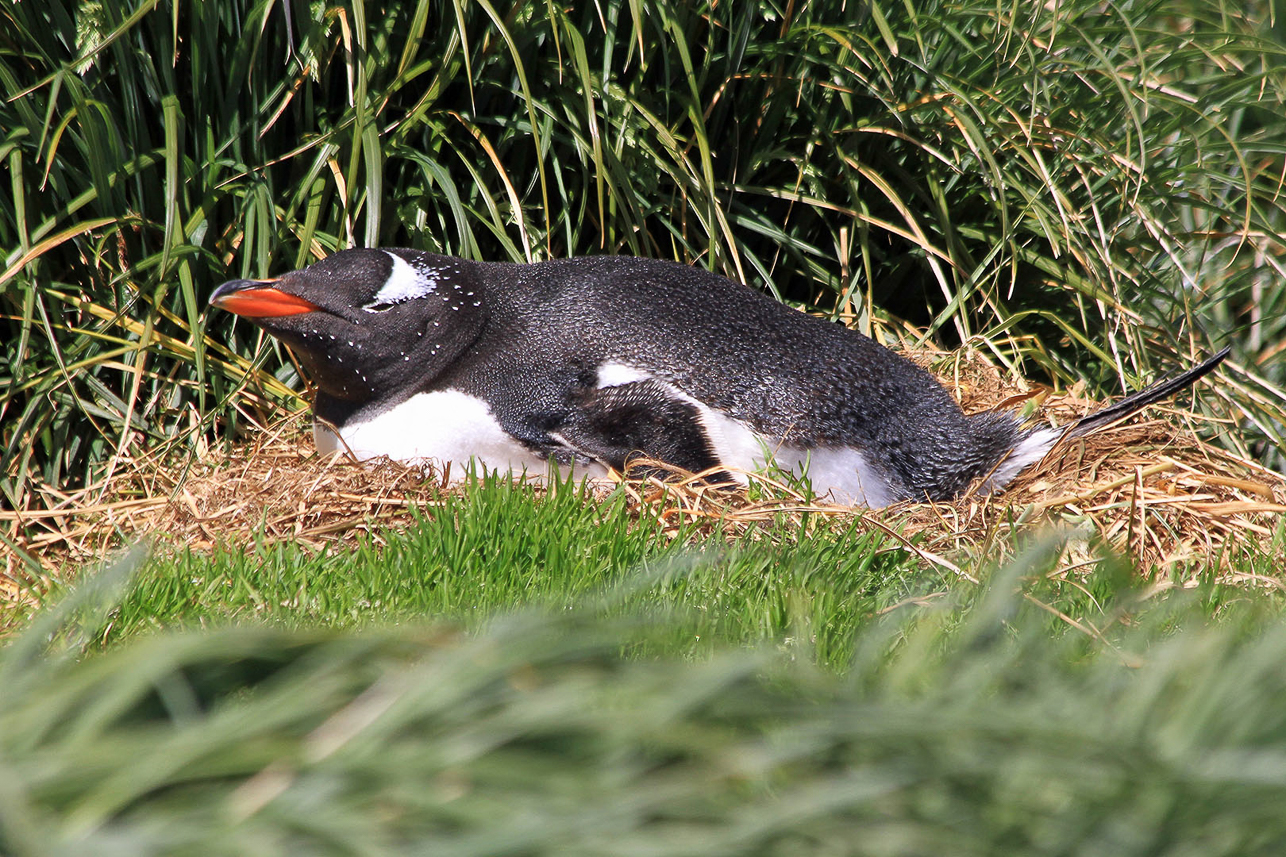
<point x="501" y="545"/>
<point x="1081" y="192"/>
<point x="962" y="729"/>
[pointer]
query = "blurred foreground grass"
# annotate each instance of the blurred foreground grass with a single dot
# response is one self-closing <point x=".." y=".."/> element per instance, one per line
<point x="975" y="725"/>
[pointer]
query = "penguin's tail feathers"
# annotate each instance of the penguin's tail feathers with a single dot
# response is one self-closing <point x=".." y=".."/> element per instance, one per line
<point x="1033" y="445"/>
<point x="1135" y="402"/>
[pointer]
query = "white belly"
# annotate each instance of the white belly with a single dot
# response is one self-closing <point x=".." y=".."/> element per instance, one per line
<point x="841" y="475"/>
<point x="441" y="428"/>
<point x="448" y="427"/>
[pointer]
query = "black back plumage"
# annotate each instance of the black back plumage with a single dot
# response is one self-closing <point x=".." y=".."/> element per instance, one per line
<point x="799" y="379"/>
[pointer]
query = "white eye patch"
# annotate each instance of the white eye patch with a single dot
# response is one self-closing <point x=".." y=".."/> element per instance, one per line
<point x="404" y="283"/>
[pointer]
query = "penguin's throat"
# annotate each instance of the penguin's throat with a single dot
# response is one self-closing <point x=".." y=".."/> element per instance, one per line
<point x="336" y="377"/>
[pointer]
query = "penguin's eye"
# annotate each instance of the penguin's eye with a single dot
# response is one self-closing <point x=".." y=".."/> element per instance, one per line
<point x="379" y="306"/>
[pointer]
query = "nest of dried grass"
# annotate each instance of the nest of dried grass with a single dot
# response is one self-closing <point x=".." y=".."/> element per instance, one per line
<point x="1150" y="488"/>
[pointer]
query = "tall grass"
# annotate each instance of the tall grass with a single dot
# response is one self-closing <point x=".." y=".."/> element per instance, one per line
<point x="1083" y="190"/>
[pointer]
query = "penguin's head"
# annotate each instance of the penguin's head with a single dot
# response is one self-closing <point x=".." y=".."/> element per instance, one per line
<point x="367" y="323"/>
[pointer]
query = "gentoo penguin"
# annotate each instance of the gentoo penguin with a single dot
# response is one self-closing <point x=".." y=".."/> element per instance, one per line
<point x="588" y="361"/>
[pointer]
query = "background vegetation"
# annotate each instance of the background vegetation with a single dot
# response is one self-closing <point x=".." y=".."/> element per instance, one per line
<point x="1084" y="190"/>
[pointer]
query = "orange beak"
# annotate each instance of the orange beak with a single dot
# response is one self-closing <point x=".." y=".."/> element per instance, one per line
<point x="257" y="299"/>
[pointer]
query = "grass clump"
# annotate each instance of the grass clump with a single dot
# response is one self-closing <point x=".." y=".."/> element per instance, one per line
<point x="500" y="545"/>
<point x="274" y="530"/>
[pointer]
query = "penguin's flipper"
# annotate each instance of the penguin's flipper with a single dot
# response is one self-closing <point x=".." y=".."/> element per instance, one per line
<point x="639" y="419"/>
<point x="1135" y="402"/>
